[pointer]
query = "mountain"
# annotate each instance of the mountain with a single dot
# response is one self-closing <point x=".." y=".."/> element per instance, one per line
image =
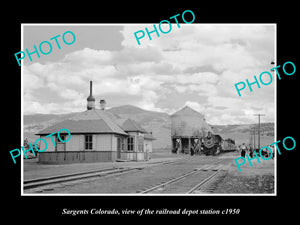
<point x="156" y="122"/>
<point x="241" y="133"/>
<point x="33" y="123"/>
<point x="148" y="119"/>
<point x="48" y="118"/>
<point x="127" y="109"/>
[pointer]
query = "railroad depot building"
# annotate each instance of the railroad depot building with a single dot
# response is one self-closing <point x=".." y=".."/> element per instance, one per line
<point x="96" y="136"/>
<point x="188" y="128"/>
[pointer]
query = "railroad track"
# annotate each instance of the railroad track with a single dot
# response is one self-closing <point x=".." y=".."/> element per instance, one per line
<point x="197" y="189"/>
<point x="188" y="182"/>
<point x="46" y="181"/>
<point x="172" y="161"/>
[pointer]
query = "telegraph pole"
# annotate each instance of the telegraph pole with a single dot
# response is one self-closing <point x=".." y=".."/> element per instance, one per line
<point x="253" y="133"/>
<point x="259" y="115"/>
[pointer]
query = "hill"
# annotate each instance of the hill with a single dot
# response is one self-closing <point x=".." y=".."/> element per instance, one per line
<point x="157" y="122"/>
<point x="241" y="133"/>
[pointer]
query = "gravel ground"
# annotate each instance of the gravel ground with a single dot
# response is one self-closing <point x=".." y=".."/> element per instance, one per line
<point x="246" y="184"/>
<point x="256" y="179"/>
<point x="184" y="185"/>
<point x="32" y="169"/>
<point x="131" y="182"/>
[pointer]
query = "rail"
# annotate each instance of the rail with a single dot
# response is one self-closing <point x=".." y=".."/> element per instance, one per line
<point x="44" y="181"/>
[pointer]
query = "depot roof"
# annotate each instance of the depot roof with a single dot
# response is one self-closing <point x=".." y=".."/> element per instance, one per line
<point x="89" y="121"/>
<point x="131" y="125"/>
<point x="187" y="122"/>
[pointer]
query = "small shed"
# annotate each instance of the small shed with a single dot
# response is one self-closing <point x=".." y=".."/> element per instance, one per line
<point x="187" y="130"/>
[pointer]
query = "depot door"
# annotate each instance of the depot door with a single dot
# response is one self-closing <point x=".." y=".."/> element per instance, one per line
<point x="60" y="146"/>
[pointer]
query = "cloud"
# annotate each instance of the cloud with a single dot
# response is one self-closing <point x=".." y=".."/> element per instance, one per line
<point x="89" y="57"/>
<point x="31" y="80"/>
<point x="197" y="64"/>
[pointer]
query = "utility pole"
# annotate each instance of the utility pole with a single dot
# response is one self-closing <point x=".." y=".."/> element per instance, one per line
<point x="259" y="115"/>
<point x="253" y="133"/>
<point x="254" y="137"/>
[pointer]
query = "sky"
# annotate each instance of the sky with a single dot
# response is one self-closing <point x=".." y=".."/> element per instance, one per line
<point x="195" y="65"/>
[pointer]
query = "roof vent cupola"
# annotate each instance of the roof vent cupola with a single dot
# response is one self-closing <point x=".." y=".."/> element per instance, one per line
<point x="91" y="99"/>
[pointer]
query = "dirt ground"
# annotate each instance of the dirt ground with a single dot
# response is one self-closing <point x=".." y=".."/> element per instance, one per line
<point x="256" y="179"/>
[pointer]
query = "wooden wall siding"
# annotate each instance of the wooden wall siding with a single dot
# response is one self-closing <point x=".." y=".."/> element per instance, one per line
<point x="188" y="122"/>
<point x="103" y="142"/>
<point x="113" y="142"/>
<point x="50" y="147"/>
<point x="75" y="143"/>
<point x="76" y="157"/>
<point x="187" y="126"/>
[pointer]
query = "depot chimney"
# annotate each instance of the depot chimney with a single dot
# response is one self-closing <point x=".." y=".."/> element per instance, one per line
<point x="102" y="104"/>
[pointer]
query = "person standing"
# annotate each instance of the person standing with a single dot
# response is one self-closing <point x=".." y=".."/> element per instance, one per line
<point x="250" y="151"/>
<point x="273" y="151"/>
<point x="192" y="151"/>
<point x="243" y="150"/>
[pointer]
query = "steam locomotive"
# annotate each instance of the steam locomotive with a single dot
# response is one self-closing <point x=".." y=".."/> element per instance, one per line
<point x="214" y="144"/>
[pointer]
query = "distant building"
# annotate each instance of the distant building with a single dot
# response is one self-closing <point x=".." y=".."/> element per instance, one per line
<point x="187" y="130"/>
<point x="96" y="136"/>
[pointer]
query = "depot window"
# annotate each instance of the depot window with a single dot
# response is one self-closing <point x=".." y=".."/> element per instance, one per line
<point x="61" y="138"/>
<point x="88" y="142"/>
<point x="130" y="142"/>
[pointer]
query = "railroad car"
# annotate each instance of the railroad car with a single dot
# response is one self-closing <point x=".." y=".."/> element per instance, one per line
<point x="228" y="145"/>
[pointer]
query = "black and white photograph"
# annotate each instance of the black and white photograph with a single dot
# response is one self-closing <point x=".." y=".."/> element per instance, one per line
<point x="130" y="109"/>
<point x="149" y="112"/>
